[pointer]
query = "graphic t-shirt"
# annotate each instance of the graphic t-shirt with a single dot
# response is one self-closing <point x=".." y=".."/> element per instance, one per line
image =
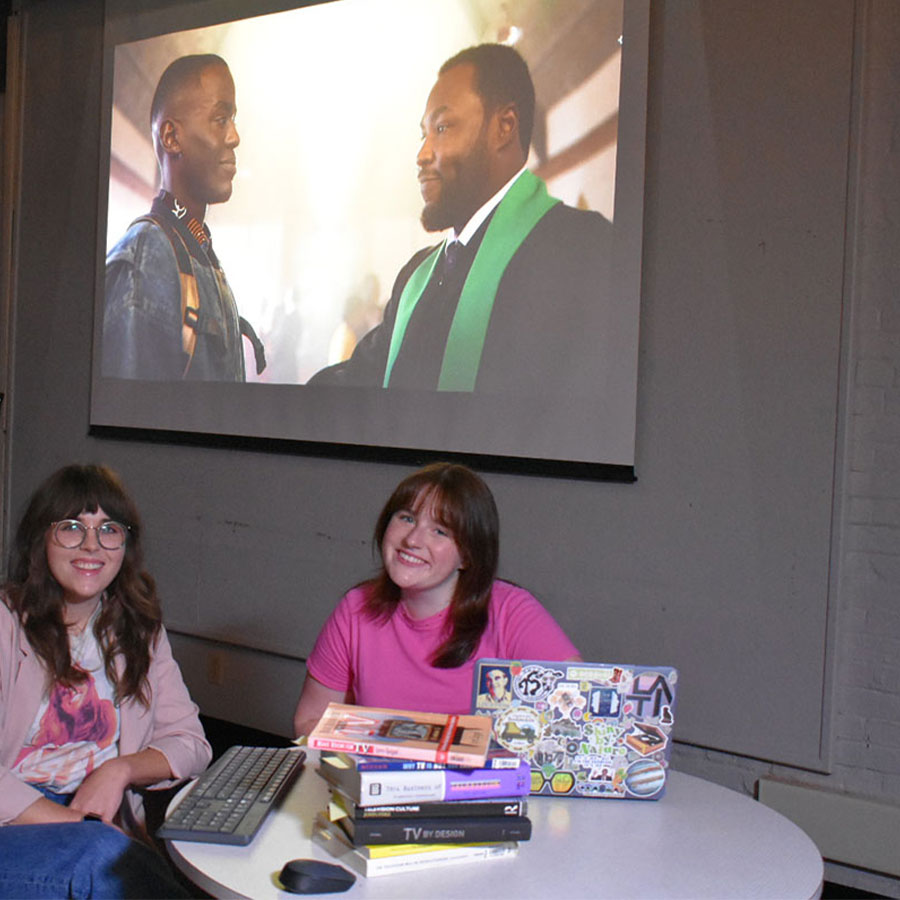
<point x="75" y="729"/>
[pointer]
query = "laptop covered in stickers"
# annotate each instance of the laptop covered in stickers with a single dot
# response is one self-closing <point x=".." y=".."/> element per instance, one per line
<point x="587" y="729"/>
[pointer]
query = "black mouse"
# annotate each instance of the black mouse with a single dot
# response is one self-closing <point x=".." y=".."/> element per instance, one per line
<point x="312" y="876"/>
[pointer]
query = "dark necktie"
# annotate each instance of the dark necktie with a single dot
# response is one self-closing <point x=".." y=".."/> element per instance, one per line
<point x="453" y="251"/>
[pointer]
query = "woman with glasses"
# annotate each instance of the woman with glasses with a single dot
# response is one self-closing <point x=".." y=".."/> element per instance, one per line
<point x="92" y="704"/>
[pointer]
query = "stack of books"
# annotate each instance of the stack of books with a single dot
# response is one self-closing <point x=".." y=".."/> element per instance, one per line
<point x="413" y="790"/>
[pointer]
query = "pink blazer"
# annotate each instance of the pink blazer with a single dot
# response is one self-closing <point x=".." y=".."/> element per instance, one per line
<point x="170" y="723"/>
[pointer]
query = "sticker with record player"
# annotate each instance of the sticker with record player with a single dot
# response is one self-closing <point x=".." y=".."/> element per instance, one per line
<point x="586" y="729"/>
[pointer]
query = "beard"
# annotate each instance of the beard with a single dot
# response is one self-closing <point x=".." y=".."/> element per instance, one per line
<point x="438" y="216"/>
<point x="463" y="191"/>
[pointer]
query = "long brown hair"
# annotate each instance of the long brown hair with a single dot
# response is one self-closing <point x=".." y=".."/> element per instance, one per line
<point x="461" y="501"/>
<point x="130" y="617"/>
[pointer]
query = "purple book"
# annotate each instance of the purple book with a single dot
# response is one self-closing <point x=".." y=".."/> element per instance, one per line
<point x="377" y="788"/>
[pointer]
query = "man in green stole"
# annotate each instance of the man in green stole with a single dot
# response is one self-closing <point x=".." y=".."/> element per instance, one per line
<point x="508" y="302"/>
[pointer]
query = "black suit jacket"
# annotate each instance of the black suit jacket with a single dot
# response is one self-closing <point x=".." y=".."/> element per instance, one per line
<point x="548" y="329"/>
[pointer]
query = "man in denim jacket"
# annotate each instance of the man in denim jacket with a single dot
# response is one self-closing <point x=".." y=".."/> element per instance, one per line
<point x="170" y="313"/>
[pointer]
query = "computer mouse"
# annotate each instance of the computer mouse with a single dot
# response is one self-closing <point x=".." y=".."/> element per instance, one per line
<point x="312" y="876"/>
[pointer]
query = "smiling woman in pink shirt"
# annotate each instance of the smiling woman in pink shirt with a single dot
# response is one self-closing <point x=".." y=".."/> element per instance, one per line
<point x="409" y="637"/>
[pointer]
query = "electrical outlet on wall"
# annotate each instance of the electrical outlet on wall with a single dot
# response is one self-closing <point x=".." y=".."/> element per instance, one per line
<point x="215" y="668"/>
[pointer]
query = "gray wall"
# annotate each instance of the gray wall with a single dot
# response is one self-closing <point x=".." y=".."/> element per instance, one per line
<point x="716" y="561"/>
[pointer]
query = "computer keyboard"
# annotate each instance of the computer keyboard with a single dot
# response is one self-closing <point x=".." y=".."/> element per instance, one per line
<point x="230" y="800"/>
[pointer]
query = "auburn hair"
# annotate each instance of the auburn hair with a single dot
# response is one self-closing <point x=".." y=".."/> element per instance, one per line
<point x="461" y="501"/>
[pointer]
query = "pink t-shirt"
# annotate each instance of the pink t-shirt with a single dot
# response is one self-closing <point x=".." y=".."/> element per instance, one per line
<point x="386" y="664"/>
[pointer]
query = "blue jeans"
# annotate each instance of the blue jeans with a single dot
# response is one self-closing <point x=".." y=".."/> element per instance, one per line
<point x="80" y="859"/>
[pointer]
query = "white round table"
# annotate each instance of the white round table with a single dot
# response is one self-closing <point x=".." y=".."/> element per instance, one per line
<point x="699" y="840"/>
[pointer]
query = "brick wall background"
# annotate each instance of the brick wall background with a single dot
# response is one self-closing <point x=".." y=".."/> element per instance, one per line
<point x="865" y="735"/>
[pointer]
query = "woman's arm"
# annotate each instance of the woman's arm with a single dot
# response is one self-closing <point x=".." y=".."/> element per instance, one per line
<point x="313" y="699"/>
<point x="44" y="812"/>
<point x="101" y="792"/>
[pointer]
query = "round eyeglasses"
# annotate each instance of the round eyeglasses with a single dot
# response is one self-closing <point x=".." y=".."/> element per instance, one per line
<point x="70" y="533"/>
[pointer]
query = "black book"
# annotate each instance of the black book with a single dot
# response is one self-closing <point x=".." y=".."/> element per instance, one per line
<point x="444" y="830"/>
<point x="503" y="806"/>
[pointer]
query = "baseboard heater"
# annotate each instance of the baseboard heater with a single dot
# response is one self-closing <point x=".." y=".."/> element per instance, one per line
<point x="854" y="831"/>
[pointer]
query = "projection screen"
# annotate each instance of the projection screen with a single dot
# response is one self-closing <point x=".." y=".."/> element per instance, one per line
<point x="324" y="212"/>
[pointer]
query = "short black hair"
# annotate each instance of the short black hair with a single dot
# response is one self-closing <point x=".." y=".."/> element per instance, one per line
<point x="177" y="74"/>
<point x="501" y="77"/>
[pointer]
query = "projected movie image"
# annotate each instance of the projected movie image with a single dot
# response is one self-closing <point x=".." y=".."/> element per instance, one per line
<point x="350" y="223"/>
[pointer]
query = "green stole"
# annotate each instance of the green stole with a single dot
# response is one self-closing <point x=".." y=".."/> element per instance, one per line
<point x="517" y="213"/>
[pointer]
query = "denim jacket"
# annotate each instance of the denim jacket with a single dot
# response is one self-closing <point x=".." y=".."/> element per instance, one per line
<point x="142" y="322"/>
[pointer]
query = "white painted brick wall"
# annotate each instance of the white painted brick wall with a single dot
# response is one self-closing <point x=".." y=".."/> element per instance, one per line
<point x="865" y="738"/>
<point x="867" y="692"/>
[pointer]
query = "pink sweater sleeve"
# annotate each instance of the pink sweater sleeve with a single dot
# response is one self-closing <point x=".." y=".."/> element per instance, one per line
<point x="172" y="725"/>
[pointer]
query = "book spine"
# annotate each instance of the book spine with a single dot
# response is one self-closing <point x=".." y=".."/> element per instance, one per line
<point x="483" y="783"/>
<point x="383" y="788"/>
<point x="389" y="788"/>
<point x="325" y="743"/>
<point x="390" y="864"/>
<point x="372" y="747"/>
<point x="438" y="831"/>
<point x="328" y="835"/>
<point x="517" y="806"/>
<point x="462" y="758"/>
<point x="363" y="764"/>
